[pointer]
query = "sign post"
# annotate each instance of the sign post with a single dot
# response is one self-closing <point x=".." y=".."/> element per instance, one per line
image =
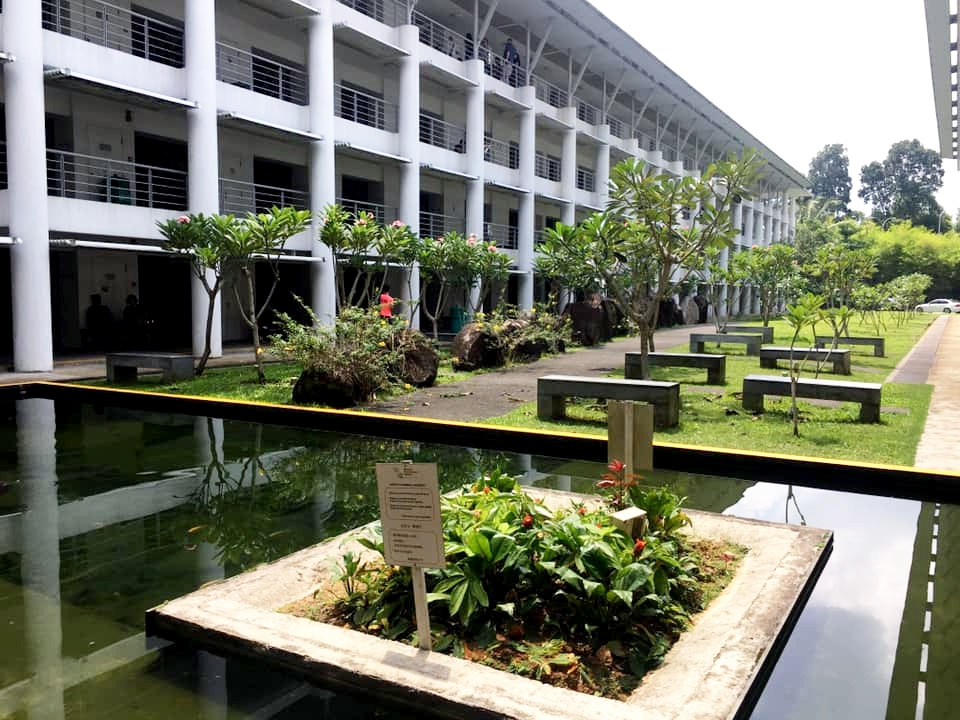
<point x="409" y="496"/>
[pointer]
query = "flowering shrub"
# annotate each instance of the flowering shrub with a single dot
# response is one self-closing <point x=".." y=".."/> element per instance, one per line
<point x="568" y="584"/>
<point x="524" y="336"/>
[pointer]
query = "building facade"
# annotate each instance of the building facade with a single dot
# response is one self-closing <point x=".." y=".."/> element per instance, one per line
<point x="496" y="118"/>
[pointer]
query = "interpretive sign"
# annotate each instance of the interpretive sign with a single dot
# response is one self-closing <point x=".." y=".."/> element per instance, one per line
<point x="410" y="514"/>
<point x="412" y="529"/>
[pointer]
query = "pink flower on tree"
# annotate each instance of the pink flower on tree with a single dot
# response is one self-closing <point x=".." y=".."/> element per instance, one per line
<point x="471" y="241"/>
<point x="398" y="224"/>
<point x="361" y="221"/>
<point x="492" y="248"/>
<point x="183" y="219"/>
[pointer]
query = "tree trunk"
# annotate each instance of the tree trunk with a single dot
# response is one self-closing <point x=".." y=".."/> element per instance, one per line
<point x="254" y="326"/>
<point x="211" y="306"/>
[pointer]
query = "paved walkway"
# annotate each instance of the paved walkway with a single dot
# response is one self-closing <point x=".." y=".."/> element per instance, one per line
<point x="933" y="360"/>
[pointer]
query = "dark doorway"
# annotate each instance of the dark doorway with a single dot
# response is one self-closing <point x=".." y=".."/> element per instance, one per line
<point x="156" y="37"/>
<point x="61" y="173"/>
<point x="65" y="303"/>
<point x="165" y="301"/>
<point x="272" y="180"/>
<point x="358" y="193"/>
<point x="6" y="306"/>
<point x="294" y="283"/>
<point x="431" y="214"/>
<point x="161" y="172"/>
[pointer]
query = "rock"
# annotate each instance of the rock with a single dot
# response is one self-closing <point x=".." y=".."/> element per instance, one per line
<point x="475" y="348"/>
<point x="529" y="351"/>
<point x="419" y="361"/>
<point x="591" y="322"/>
<point x="318" y="387"/>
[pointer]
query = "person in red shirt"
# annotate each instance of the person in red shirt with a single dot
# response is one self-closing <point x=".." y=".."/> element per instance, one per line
<point x="386" y="304"/>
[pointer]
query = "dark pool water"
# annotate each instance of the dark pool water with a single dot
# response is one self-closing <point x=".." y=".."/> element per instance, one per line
<point x="106" y="512"/>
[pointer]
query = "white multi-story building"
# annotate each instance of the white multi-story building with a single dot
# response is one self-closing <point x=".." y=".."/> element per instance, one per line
<point x="118" y="115"/>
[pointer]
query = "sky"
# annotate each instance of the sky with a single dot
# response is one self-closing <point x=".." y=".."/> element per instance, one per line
<point x="802" y="75"/>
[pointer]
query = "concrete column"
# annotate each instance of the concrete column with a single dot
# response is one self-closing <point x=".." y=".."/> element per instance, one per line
<point x="784" y="219"/>
<point x="568" y="165"/>
<point x="724" y="262"/>
<point x="27" y="193"/>
<point x="526" y="215"/>
<point x="793" y="219"/>
<point x="767" y="224"/>
<point x="409" y="130"/>
<point x="203" y="157"/>
<point x="602" y="167"/>
<point x="473" y="145"/>
<point x="748" y="228"/>
<point x="323" y="174"/>
<point x="40" y="547"/>
<point x="738" y="221"/>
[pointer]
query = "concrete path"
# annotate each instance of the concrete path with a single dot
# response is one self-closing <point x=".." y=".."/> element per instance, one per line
<point x="939" y="448"/>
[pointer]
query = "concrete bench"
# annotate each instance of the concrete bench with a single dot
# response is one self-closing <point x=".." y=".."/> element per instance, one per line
<point x="122" y="366"/>
<point x="867" y="394"/>
<point x="751" y="340"/>
<point x="716" y="365"/>
<point x="878" y="343"/>
<point x="765" y="332"/>
<point x="553" y="390"/>
<point x="770" y="354"/>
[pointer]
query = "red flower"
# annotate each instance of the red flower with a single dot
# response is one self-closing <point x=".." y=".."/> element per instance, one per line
<point x="486" y="490"/>
<point x="527" y="521"/>
<point x="638" y="546"/>
<point x="582" y="510"/>
<point x="606" y="483"/>
<point x="616" y="466"/>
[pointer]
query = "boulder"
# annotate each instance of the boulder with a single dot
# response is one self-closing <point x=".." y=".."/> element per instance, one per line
<point x="475" y="347"/>
<point x="419" y="361"/>
<point x="316" y="386"/>
<point x="591" y="322"/>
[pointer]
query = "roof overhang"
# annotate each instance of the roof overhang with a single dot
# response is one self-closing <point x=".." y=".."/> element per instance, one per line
<point x="943" y="73"/>
<point x="267" y="129"/>
<point x="363" y="151"/>
<point x="128" y="92"/>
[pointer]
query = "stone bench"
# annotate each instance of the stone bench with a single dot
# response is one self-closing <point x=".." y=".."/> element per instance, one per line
<point x="553" y="390"/>
<point x="770" y="354"/>
<point x="122" y="366"/>
<point x="751" y="340"/>
<point x="765" y="332"/>
<point x="878" y="343"/>
<point x="716" y="365"/>
<point x="867" y="394"/>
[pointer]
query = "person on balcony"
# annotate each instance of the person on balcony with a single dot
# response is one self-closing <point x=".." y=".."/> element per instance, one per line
<point x="512" y="57"/>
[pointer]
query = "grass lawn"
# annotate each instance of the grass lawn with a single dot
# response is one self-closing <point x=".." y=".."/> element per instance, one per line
<point x="714" y="416"/>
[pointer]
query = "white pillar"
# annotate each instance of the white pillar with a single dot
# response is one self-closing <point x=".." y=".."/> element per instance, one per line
<point x="408" y="126"/>
<point x="40" y="559"/>
<point x="27" y="193"/>
<point x="203" y="159"/>
<point x="602" y="167"/>
<point x="568" y="166"/>
<point x="784" y="219"/>
<point x="767" y="223"/>
<point x="473" y="145"/>
<point x="738" y="222"/>
<point x="323" y="174"/>
<point x="526" y="215"/>
<point x="748" y="226"/>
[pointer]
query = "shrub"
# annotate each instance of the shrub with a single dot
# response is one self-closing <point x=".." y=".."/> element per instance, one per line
<point x="525" y="336"/>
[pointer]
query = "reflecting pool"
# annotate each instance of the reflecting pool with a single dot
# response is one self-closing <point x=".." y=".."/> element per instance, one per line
<point x="105" y="512"/>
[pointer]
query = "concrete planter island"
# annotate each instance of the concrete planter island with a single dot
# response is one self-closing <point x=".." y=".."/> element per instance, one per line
<point x="716" y="670"/>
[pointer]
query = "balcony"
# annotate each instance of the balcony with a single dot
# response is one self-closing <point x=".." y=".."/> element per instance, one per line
<point x="505" y="236"/>
<point x="549" y="93"/>
<point x="442" y="38"/>
<point x="86" y="177"/>
<point x="547" y="167"/>
<point x="586" y="180"/>
<point x="618" y="128"/>
<point x="261" y="74"/>
<point x="383" y="213"/>
<point x="501" y="153"/>
<point x="363" y="108"/>
<point x="389" y="12"/>
<point x="436" y="225"/>
<point x="239" y="198"/>
<point x="442" y="134"/>
<point x="588" y="113"/>
<point x="117" y="28"/>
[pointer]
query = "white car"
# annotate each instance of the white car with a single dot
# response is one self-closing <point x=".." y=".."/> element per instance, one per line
<point x="939" y="305"/>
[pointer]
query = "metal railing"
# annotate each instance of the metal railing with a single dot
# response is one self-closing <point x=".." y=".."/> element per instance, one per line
<point x="360" y="107"/>
<point x="261" y="74"/>
<point x="440" y="133"/>
<point x="238" y="197"/>
<point x="547" y="166"/>
<point x="645" y="142"/>
<point x="588" y="113"/>
<point x="497" y="67"/>
<point x="3" y="166"/>
<point x="538" y="238"/>
<point x="442" y="38"/>
<point x="87" y="177"/>
<point x="669" y="153"/>
<point x="618" y="128"/>
<point x="501" y="153"/>
<point x="117" y="28"/>
<point x="388" y="12"/>
<point x="505" y="236"/>
<point x="383" y="213"/>
<point x="434" y="225"/>
<point x="586" y="180"/>
<point x="549" y="93"/>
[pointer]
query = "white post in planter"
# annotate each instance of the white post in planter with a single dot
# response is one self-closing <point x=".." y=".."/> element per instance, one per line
<point x="630" y="434"/>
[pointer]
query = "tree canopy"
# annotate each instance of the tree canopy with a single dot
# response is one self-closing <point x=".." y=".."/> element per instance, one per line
<point x="830" y="176"/>
<point x="904" y="184"/>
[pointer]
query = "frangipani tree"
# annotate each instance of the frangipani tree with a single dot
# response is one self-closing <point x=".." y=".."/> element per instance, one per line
<point x="641" y="250"/>
<point x="775" y="273"/>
